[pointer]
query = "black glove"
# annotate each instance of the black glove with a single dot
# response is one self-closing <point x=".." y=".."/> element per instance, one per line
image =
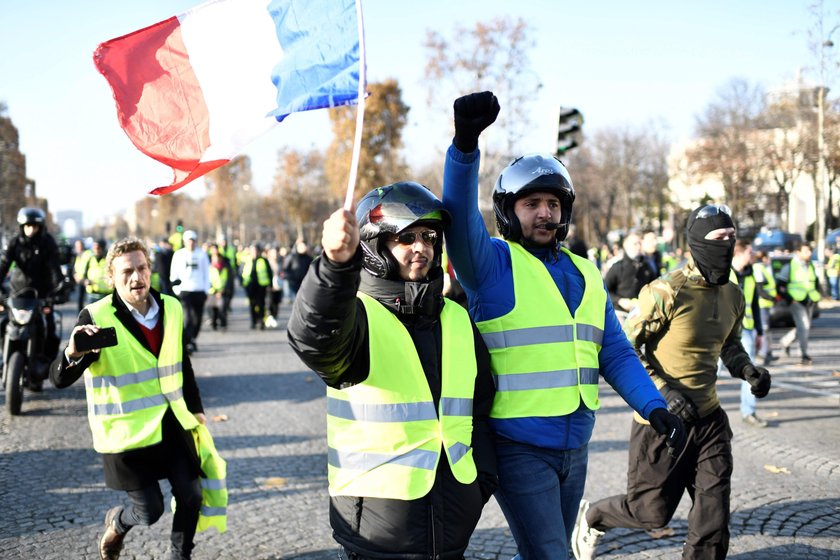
<point x="473" y="113"/>
<point x="680" y="405"/>
<point x="758" y="378"/>
<point x="670" y="426"/>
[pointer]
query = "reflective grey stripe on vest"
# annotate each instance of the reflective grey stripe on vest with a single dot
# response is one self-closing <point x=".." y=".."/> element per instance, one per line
<point x="546" y="379"/>
<point x="374" y="412"/>
<point x="528" y="336"/>
<point x="589" y="376"/>
<point x="451" y="406"/>
<point x="417" y="458"/>
<point x="590" y="333"/>
<point x="213" y="483"/>
<point x="457" y="451"/>
<point x="119" y="381"/>
<point x="108" y="409"/>
<point x="208" y="511"/>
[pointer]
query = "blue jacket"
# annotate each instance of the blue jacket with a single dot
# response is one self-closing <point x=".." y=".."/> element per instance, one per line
<point x="483" y="267"/>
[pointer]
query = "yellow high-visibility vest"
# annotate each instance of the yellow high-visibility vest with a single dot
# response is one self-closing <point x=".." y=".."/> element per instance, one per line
<point x="802" y="282"/>
<point x="218" y="279"/>
<point x="545" y="360"/>
<point x="96" y="275"/>
<point x="384" y="435"/>
<point x="748" y="322"/>
<point x="832" y="269"/>
<point x="263" y="274"/>
<point x="214" y="494"/>
<point x="769" y="285"/>
<point x="80" y="264"/>
<point x="128" y="389"/>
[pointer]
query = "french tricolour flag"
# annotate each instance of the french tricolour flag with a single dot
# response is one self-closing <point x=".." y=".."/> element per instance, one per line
<point x="193" y="90"/>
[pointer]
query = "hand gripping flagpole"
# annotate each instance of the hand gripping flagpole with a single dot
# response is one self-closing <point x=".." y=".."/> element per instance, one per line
<point x="360" y="112"/>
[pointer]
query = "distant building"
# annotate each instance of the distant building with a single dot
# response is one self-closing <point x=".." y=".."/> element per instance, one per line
<point x="16" y="190"/>
<point x="798" y="99"/>
<point x="69" y="223"/>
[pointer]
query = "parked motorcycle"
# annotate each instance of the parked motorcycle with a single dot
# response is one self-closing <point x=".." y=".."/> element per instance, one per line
<point x="25" y="363"/>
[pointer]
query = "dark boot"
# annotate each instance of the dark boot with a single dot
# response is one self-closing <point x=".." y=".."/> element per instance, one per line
<point x="111" y="543"/>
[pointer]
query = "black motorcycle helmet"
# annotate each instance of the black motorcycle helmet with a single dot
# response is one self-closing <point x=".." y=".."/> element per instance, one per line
<point x="389" y="210"/>
<point x="532" y="173"/>
<point x="31" y="216"/>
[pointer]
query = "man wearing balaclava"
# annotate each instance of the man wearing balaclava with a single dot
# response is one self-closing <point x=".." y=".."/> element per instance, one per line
<point x="684" y="321"/>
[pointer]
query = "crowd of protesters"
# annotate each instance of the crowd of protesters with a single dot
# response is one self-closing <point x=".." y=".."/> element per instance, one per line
<point x="547" y="318"/>
<point x="204" y="274"/>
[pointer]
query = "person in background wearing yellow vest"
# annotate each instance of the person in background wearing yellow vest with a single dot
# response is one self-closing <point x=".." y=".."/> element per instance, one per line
<point x="752" y="329"/>
<point x="256" y="278"/>
<point x="142" y="401"/>
<point x="685" y="321"/>
<point x="228" y="253"/>
<point x="625" y="278"/>
<point x="832" y="272"/>
<point x="797" y="281"/>
<point x="766" y="286"/>
<point x="79" y="267"/>
<point x="551" y="330"/>
<point x="410" y="455"/>
<point x="219" y="275"/>
<point x="95" y="275"/>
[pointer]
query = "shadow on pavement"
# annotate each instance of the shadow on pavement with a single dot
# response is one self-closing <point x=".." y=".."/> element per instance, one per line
<point x="227" y="390"/>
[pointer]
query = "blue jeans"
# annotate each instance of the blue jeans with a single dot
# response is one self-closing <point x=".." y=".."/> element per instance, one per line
<point x="539" y="493"/>
<point x="834" y="286"/>
<point x="747" y="398"/>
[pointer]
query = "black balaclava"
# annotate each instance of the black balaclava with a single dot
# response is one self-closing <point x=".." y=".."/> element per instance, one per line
<point x="713" y="258"/>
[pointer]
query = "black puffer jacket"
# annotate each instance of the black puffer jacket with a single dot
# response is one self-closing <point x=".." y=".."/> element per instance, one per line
<point x="328" y="330"/>
<point x="625" y="279"/>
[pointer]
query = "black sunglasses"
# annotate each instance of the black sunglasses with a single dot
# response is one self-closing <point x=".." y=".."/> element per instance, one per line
<point x="429" y="237"/>
<point x="713" y="210"/>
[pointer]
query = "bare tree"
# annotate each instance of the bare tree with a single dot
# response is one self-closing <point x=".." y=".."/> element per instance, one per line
<point x="729" y="148"/>
<point x="298" y="198"/>
<point x="380" y="161"/>
<point x="226" y="186"/>
<point x="492" y="56"/>
<point x="621" y="180"/>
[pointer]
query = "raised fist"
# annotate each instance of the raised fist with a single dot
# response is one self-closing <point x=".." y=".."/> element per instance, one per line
<point x="473" y="113"/>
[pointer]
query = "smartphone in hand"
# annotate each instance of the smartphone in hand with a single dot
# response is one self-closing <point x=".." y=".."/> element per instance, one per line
<point x="103" y="338"/>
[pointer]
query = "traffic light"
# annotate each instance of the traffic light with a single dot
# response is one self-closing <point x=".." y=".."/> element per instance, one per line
<point x="569" y="134"/>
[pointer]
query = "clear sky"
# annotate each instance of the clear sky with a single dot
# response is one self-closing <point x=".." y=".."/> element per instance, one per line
<point x="619" y="62"/>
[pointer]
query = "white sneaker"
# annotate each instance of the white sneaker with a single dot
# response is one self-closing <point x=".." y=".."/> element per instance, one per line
<point x="584" y="537"/>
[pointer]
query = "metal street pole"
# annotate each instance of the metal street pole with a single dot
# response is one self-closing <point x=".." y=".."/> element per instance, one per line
<point x="821" y="171"/>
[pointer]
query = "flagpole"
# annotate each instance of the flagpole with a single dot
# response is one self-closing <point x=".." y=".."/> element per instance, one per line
<point x="360" y="112"/>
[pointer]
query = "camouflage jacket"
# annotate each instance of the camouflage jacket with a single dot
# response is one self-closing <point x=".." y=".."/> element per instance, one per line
<point x="680" y="328"/>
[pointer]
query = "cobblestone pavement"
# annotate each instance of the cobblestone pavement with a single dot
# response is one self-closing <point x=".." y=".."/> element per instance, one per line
<point x="267" y="415"/>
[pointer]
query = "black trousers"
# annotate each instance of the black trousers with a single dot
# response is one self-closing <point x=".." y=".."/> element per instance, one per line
<point x="147" y="506"/>
<point x="656" y="482"/>
<point x="256" y="301"/>
<point x="193" y="305"/>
